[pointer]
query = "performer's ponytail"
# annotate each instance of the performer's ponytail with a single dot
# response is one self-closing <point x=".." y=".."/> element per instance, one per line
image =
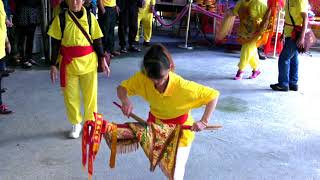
<point x="157" y="59"/>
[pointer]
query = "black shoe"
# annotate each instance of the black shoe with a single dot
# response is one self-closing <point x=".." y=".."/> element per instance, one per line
<point x="134" y="49"/>
<point x="147" y="44"/>
<point x="277" y="87"/>
<point x="33" y="62"/>
<point x="26" y="65"/>
<point x="293" y="87"/>
<point x="7" y="70"/>
<point x="4" y="74"/>
<point x="3" y="90"/>
<point x="262" y="57"/>
<point x="261" y="54"/>
<point x="123" y="50"/>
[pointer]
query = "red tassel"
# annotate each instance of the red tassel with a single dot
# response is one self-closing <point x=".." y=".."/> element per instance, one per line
<point x="92" y="138"/>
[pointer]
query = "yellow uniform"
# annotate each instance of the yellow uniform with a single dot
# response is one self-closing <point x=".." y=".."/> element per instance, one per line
<point x="145" y="17"/>
<point x="251" y="13"/>
<point x="82" y="71"/>
<point x="3" y="31"/>
<point x="179" y="98"/>
<point x="296" y="8"/>
<point x="109" y="3"/>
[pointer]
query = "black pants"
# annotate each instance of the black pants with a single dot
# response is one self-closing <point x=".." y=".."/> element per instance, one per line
<point x="128" y="17"/>
<point x="22" y="33"/>
<point x="107" y="23"/>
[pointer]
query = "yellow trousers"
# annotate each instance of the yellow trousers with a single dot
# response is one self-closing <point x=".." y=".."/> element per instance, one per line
<point x="88" y="85"/>
<point x="145" y="17"/>
<point x="249" y="55"/>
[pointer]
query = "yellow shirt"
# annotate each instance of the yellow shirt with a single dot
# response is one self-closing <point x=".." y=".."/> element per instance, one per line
<point x="250" y="14"/>
<point x="3" y="31"/>
<point x="73" y="36"/>
<point x="109" y="3"/>
<point x="146" y="8"/>
<point x="179" y="98"/>
<point x="296" y="8"/>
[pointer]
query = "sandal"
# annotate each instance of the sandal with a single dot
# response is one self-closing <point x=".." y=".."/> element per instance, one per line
<point x="4" y="109"/>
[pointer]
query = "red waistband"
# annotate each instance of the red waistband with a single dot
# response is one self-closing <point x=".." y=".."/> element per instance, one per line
<point x="178" y="120"/>
<point x="68" y="53"/>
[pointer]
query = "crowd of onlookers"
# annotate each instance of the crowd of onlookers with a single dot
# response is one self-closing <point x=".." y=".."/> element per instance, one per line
<point x="19" y="19"/>
<point x="23" y="16"/>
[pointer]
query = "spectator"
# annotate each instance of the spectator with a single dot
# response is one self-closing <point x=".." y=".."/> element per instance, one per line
<point x="26" y="20"/>
<point x="128" y="17"/>
<point x="288" y="62"/>
<point x="108" y="12"/>
<point x="78" y="57"/>
<point x="145" y="17"/>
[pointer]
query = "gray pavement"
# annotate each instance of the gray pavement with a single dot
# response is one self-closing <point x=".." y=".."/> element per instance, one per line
<point x="265" y="135"/>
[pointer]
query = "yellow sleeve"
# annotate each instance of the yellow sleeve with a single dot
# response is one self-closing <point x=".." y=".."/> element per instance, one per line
<point x="304" y="5"/>
<point x="96" y="32"/>
<point x="135" y="85"/>
<point x="153" y="2"/>
<point x="54" y="29"/>
<point x="260" y="9"/>
<point x="201" y="95"/>
<point x="236" y="8"/>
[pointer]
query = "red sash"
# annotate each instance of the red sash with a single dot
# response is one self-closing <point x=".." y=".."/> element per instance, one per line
<point x="68" y="53"/>
<point x="178" y="120"/>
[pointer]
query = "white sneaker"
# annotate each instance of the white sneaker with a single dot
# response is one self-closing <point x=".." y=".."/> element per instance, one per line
<point x="75" y="131"/>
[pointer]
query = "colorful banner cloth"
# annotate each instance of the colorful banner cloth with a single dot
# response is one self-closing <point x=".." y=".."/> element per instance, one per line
<point x="158" y="141"/>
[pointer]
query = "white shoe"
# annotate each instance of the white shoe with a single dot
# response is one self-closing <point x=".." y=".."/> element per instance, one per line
<point x="75" y="131"/>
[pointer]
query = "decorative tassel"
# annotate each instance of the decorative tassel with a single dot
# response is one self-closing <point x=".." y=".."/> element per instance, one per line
<point x="112" y="161"/>
<point x="124" y="148"/>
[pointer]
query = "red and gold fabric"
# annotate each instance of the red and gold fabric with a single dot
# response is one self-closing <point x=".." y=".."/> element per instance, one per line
<point x="257" y="20"/>
<point x="159" y="142"/>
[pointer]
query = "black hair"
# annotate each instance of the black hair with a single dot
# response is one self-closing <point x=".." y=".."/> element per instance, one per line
<point x="155" y="60"/>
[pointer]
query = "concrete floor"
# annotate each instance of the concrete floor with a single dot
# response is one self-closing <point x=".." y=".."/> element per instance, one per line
<point x="265" y="135"/>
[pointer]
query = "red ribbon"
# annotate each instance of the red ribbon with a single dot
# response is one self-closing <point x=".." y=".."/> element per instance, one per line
<point x="91" y="136"/>
<point x="68" y="53"/>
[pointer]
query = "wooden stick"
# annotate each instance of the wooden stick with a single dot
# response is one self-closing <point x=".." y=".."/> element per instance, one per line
<point x="140" y="120"/>
<point x="135" y="117"/>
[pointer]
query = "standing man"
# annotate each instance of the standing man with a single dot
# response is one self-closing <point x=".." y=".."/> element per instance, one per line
<point x="145" y="17"/>
<point x="108" y="12"/>
<point x="128" y="17"/>
<point x="289" y="58"/>
<point x="78" y="60"/>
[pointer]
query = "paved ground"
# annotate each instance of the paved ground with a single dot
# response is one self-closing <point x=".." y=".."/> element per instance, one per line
<point x="266" y="134"/>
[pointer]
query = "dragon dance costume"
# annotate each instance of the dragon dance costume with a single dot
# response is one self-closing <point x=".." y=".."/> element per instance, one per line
<point x="257" y="21"/>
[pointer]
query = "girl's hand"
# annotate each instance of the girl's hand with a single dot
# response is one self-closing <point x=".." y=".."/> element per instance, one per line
<point x="127" y="108"/>
<point x="198" y="126"/>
